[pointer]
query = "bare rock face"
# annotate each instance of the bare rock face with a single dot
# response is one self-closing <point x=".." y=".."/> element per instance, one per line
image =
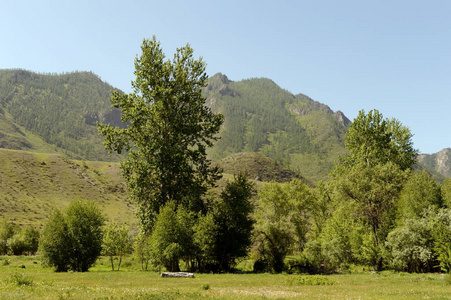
<point x="342" y="118"/>
<point x="443" y="162"/>
<point x="217" y="82"/>
<point x="439" y="162"/>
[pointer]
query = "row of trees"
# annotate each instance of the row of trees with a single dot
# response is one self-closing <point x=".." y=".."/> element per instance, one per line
<point x="74" y="239"/>
<point x="205" y="242"/>
<point x="364" y="214"/>
<point x="18" y="241"/>
<point x="324" y="231"/>
<point x="328" y="231"/>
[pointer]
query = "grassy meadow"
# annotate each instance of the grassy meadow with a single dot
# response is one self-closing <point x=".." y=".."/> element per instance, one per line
<point x="33" y="184"/>
<point x="25" y="278"/>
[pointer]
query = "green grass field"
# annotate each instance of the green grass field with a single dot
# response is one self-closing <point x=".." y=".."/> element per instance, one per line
<point x="25" y="278"/>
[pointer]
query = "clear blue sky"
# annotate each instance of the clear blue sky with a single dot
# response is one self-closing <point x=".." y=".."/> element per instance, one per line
<point x="394" y="56"/>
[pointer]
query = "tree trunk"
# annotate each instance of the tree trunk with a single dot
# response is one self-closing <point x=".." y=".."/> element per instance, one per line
<point x="112" y="263"/>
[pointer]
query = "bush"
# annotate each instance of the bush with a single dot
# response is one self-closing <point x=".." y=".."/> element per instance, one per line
<point x="7" y="231"/>
<point x="261" y="265"/>
<point x="30" y="237"/>
<point x="20" y="280"/>
<point x="310" y="280"/>
<point x="16" y="245"/>
<point x="411" y="246"/>
<point x="24" y="242"/>
<point x="73" y="241"/>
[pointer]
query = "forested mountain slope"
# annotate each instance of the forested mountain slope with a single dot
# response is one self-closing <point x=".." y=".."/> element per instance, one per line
<point x="48" y="113"/>
<point x="58" y="113"/>
<point x="305" y="135"/>
<point x="61" y="110"/>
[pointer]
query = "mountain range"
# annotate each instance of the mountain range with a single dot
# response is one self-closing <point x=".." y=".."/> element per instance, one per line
<point x="57" y="113"/>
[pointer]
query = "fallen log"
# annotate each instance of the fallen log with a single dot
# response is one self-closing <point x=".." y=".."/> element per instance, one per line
<point x="177" y="274"/>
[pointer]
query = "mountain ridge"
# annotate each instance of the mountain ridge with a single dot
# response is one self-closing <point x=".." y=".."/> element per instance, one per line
<point x="62" y="110"/>
<point x="305" y="135"/>
<point x="57" y="113"/>
<point x="439" y="162"/>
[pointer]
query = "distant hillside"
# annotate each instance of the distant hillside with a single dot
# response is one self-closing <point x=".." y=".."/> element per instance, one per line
<point x="32" y="184"/>
<point x="58" y="114"/>
<point x="49" y="113"/>
<point x="258" y="167"/>
<point x="303" y="134"/>
<point x="439" y="162"/>
<point x="55" y="113"/>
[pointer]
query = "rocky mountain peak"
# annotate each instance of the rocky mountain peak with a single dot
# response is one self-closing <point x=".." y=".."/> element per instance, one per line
<point x="342" y="118"/>
<point x="443" y="161"/>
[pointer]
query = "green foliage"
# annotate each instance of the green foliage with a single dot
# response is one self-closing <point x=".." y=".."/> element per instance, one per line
<point x="310" y="280"/>
<point x="373" y="174"/>
<point x="374" y="190"/>
<point x="206" y="242"/>
<point x="232" y="222"/>
<point x="421" y="244"/>
<point x="170" y="130"/>
<point x="444" y="257"/>
<point x="204" y="238"/>
<point x="373" y="140"/>
<point x="116" y="242"/>
<point x="56" y="241"/>
<point x="446" y="192"/>
<point x="282" y="220"/>
<point x="73" y="241"/>
<point x="25" y="241"/>
<point x="30" y="236"/>
<point x="419" y="193"/>
<point x="335" y="240"/>
<point x="322" y="203"/>
<point x="143" y="250"/>
<point x="412" y="246"/>
<point x="19" y="279"/>
<point x="171" y="237"/>
<point x="6" y="232"/>
<point x="343" y="240"/>
<point x="442" y="238"/>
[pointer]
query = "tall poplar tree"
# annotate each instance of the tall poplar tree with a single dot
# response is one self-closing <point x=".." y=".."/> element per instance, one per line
<point x="381" y="154"/>
<point x="169" y="129"/>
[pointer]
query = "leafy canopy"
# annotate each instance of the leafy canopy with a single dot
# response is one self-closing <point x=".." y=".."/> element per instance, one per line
<point x="374" y="140"/>
<point x="169" y="130"/>
<point x="380" y="156"/>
